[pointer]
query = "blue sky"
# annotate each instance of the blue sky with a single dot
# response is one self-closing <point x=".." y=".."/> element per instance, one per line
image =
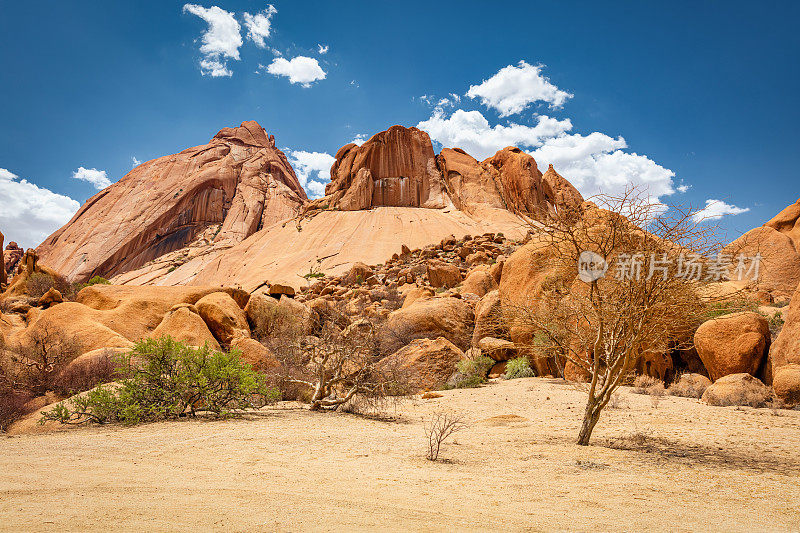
<point x="704" y="93"/>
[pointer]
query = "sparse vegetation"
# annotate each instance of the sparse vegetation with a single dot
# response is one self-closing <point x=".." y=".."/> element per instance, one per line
<point x="648" y="385"/>
<point x="470" y="373"/>
<point x="166" y="379"/>
<point x="438" y="429"/>
<point x="519" y="367"/>
<point x="687" y="388"/>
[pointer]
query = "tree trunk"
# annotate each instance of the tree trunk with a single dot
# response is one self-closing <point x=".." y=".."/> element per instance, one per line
<point x="590" y="418"/>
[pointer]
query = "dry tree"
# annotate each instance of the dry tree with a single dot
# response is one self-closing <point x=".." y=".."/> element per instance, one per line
<point x="618" y="288"/>
<point x="441" y="426"/>
<point x="337" y="366"/>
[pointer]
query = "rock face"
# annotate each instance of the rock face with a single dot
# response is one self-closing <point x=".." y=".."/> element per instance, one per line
<point x="396" y="167"/>
<point x="785" y="355"/>
<point x="3" y="276"/>
<point x="11" y="257"/>
<point x="733" y="344"/>
<point x="779" y="268"/>
<point x="239" y="181"/>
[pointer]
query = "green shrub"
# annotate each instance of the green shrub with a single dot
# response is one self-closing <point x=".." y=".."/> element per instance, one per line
<point x="165" y="379"/>
<point x="718" y="309"/>
<point x="470" y="373"/>
<point x="518" y="368"/>
<point x="98" y="280"/>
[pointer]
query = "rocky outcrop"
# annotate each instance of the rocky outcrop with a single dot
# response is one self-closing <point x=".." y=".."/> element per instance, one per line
<point x="223" y="316"/>
<point x="396" y="168"/>
<point x="239" y="182"/>
<point x="3" y="276"/>
<point x="788" y="223"/>
<point x="779" y="266"/>
<point x="785" y="355"/>
<point x="11" y="257"/>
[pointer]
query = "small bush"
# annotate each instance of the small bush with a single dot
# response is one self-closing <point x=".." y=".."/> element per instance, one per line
<point x="40" y="282"/>
<point x="686" y="387"/>
<point x="470" y="373"/>
<point x="776" y="323"/>
<point x="518" y="368"/>
<point x="648" y="385"/>
<point x="98" y="280"/>
<point x="165" y="379"/>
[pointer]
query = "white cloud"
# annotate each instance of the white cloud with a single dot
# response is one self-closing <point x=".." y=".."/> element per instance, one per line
<point x="301" y="69"/>
<point x="29" y="213"/>
<point x="259" y="25"/>
<point x="596" y="163"/>
<point x="323" y="49"/>
<point x="135" y="161"/>
<point x="716" y="209"/>
<point x="359" y="139"/>
<point x="471" y="131"/>
<point x="221" y="41"/>
<point x="683" y="188"/>
<point x="313" y="170"/>
<point x="514" y="88"/>
<point x="98" y="178"/>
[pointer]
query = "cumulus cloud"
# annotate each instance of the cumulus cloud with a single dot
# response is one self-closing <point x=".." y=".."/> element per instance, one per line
<point x="359" y="139"/>
<point x="259" y="25"/>
<point x="471" y="131"/>
<point x="98" y="178"/>
<point x="221" y="41"/>
<point x="716" y="209"/>
<point x="514" y="88"/>
<point x="29" y="213"/>
<point x="313" y="170"/>
<point x="135" y="162"/>
<point x="596" y="163"/>
<point x="323" y="49"/>
<point x="301" y="69"/>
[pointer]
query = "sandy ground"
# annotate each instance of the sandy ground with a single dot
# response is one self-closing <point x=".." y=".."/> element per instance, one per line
<point x="672" y="464"/>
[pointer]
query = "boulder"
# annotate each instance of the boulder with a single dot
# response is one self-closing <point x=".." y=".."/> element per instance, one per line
<point x="785" y="355"/>
<point x="415" y="293"/>
<point x="261" y="314"/>
<point x="478" y="258"/>
<point x="488" y="314"/>
<point x="497" y="349"/>
<point x="425" y="363"/>
<point x="185" y="325"/>
<point x="441" y="274"/>
<point x="223" y="316"/>
<point x="478" y="282"/>
<point x="89" y="370"/>
<point x="786" y="383"/>
<point x="51" y="297"/>
<point x="737" y="389"/>
<point x="357" y="274"/>
<point x="779" y="268"/>
<point x="278" y="291"/>
<point x="733" y="344"/>
<point x="450" y="318"/>
<point x="255" y="354"/>
<point x="299" y="312"/>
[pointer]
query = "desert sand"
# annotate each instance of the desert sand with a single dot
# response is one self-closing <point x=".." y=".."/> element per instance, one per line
<point x="669" y="464"/>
